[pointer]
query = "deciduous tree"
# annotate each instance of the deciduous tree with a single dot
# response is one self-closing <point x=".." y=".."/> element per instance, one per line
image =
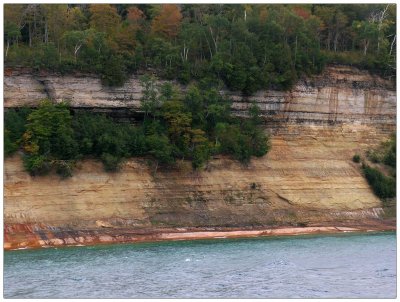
<point x="167" y="22"/>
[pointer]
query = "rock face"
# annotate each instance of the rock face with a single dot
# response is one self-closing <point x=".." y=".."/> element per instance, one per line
<point x="299" y="181"/>
<point x="308" y="178"/>
<point x="339" y="95"/>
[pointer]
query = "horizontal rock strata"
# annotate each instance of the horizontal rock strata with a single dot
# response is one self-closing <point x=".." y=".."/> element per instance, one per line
<point x="307" y="179"/>
<point x="339" y="95"/>
<point x="46" y="238"/>
<point x="302" y="181"/>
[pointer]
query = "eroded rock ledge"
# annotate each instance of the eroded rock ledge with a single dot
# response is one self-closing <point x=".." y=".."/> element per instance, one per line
<point x="45" y="238"/>
<point x="340" y="95"/>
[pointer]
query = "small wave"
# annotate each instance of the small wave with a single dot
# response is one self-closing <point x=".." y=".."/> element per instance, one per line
<point x="187" y="259"/>
<point x="280" y="263"/>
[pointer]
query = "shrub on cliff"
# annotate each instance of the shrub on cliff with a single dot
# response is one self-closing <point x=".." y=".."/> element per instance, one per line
<point x="48" y="137"/>
<point x="36" y="164"/>
<point x="113" y="71"/>
<point x="64" y="167"/>
<point x="356" y="158"/>
<point x="242" y="138"/>
<point x="191" y="127"/>
<point x="14" y="127"/>
<point x="111" y="162"/>
<point x="390" y="152"/>
<point x="383" y="186"/>
<point x="160" y="148"/>
<point x="107" y="140"/>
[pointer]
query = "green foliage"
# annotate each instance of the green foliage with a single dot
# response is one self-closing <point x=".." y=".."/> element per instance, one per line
<point x="111" y="163"/>
<point x="201" y="148"/>
<point x="53" y="138"/>
<point x="178" y="124"/>
<point x="270" y="46"/>
<point x="14" y="127"/>
<point x="64" y="167"/>
<point x="49" y="127"/>
<point x="113" y="71"/>
<point x="160" y="148"/>
<point x="241" y="139"/>
<point x="356" y="158"/>
<point x="383" y="186"/>
<point x="101" y="137"/>
<point x="390" y="159"/>
<point x="194" y="103"/>
<point x="390" y="152"/>
<point x="241" y="144"/>
<point x="46" y="56"/>
<point x="9" y="146"/>
<point x="48" y="137"/>
<point x="374" y="156"/>
<point x="11" y="31"/>
<point x="369" y="61"/>
<point x="37" y="164"/>
<point x="386" y="153"/>
<point x="259" y="143"/>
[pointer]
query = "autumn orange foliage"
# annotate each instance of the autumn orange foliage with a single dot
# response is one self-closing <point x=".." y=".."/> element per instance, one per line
<point x="301" y="12"/>
<point x="168" y="21"/>
<point x="135" y="16"/>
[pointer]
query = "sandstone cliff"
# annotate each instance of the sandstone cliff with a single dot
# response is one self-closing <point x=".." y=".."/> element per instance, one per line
<point x="308" y="178"/>
<point x="340" y="95"/>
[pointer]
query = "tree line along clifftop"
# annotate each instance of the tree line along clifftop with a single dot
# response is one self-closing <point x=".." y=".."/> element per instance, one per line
<point x="246" y="47"/>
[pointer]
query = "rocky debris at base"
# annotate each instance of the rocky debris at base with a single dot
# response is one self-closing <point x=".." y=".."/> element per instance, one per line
<point x="103" y="236"/>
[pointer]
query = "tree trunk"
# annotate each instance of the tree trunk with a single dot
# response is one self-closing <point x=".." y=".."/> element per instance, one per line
<point x="30" y="35"/>
<point x="265" y="55"/>
<point x="208" y="44"/>
<point x="328" y="41"/>
<point x="391" y="45"/>
<point x="381" y="18"/>
<point x="46" y="33"/>
<point x="215" y="40"/>
<point x="77" y="47"/>
<point x="366" y="43"/>
<point x="8" y="46"/>
<point x="335" y="41"/>
<point x="155" y="171"/>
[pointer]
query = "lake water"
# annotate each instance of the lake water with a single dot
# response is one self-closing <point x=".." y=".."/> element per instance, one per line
<point x="335" y="266"/>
